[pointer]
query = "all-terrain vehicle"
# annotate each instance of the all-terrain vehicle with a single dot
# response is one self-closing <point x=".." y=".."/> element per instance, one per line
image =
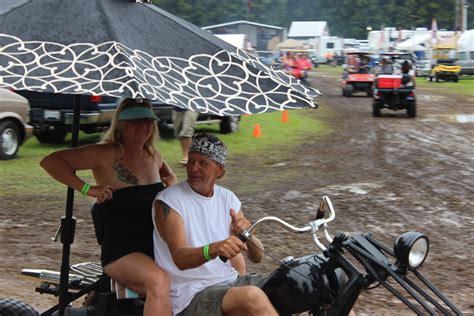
<point x="357" y="75"/>
<point x="394" y="92"/>
<point x="445" y="69"/>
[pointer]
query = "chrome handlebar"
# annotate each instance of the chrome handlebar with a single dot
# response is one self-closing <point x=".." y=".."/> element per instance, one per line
<point x="312" y="227"/>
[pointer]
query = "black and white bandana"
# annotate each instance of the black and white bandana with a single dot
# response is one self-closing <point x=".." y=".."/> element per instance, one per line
<point x="210" y="146"/>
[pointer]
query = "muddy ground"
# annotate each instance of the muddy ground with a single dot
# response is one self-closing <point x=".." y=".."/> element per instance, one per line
<point x="385" y="175"/>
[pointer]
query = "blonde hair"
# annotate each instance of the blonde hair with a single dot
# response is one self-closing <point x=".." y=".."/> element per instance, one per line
<point x="114" y="133"/>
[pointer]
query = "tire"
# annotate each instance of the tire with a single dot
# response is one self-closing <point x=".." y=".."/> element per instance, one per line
<point x="349" y="90"/>
<point x="436" y="78"/>
<point x="431" y="78"/>
<point x="411" y="109"/>
<point x="229" y="124"/>
<point x="370" y="93"/>
<point x="11" y="307"/>
<point x="376" y="109"/>
<point x="343" y="92"/>
<point x="10" y="140"/>
<point x="48" y="137"/>
<point x="455" y="79"/>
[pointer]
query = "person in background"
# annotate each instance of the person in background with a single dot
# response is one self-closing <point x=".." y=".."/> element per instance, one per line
<point x="184" y="122"/>
<point x="129" y="171"/>
<point x="196" y="221"/>
<point x="385" y="67"/>
<point x="304" y="65"/>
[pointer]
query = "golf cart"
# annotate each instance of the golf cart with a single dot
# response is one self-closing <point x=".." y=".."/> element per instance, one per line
<point x="357" y="75"/>
<point x="445" y="69"/>
<point x="394" y="92"/>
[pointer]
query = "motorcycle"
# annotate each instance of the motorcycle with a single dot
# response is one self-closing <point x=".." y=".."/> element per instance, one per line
<point x="323" y="284"/>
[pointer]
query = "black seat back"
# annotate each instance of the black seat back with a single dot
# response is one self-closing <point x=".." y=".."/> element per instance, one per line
<point x="406" y="78"/>
<point x="96" y="212"/>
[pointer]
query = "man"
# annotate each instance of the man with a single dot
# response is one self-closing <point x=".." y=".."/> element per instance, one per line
<point x="197" y="222"/>
<point x="183" y="127"/>
<point x="385" y="66"/>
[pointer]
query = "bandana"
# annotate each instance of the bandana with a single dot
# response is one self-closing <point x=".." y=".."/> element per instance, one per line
<point x="210" y="146"/>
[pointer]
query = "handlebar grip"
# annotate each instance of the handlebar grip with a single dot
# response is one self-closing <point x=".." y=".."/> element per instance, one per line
<point x="244" y="236"/>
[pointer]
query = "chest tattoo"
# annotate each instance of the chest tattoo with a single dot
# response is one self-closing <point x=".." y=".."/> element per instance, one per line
<point x="123" y="174"/>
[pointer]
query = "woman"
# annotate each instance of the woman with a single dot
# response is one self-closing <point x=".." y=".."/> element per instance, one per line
<point x="129" y="172"/>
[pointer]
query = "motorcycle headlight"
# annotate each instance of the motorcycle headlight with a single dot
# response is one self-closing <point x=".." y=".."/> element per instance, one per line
<point x="411" y="249"/>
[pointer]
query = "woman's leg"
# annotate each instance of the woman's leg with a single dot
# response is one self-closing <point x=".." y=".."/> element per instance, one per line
<point x="140" y="273"/>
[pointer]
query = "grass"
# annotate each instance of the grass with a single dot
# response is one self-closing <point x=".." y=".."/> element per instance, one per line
<point x="465" y="85"/>
<point x="329" y="69"/>
<point x="24" y="176"/>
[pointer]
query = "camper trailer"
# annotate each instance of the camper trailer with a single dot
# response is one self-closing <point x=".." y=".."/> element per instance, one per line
<point x="329" y="46"/>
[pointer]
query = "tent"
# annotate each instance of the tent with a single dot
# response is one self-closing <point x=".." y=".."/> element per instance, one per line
<point x="290" y="44"/>
<point x="466" y="41"/>
<point x="416" y="43"/>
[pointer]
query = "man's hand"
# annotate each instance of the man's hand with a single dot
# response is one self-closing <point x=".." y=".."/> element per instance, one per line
<point x="228" y="248"/>
<point x="239" y="223"/>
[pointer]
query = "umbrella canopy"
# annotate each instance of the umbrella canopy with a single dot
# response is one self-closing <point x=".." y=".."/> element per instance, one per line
<point x="129" y="48"/>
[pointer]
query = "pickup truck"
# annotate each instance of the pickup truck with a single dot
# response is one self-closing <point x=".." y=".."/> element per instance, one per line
<point x="51" y="115"/>
<point x="465" y="60"/>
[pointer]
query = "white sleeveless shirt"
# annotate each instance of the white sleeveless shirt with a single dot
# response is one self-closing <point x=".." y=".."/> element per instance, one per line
<point x="206" y="220"/>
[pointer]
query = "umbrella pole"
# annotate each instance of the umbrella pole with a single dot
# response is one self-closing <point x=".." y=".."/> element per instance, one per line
<point x="68" y="222"/>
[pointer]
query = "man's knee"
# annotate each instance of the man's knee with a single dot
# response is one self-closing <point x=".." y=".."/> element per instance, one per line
<point x="159" y="282"/>
<point x="249" y="298"/>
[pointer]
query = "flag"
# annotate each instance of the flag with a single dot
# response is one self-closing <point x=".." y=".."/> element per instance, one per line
<point x="434" y="32"/>
<point x="382" y="37"/>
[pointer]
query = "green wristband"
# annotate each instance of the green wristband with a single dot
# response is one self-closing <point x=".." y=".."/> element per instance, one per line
<point x="85" y="189"/>
<point x="205" y="251"/>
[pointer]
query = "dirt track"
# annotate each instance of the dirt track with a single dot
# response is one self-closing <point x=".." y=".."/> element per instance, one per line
<point x="386" y="175"/>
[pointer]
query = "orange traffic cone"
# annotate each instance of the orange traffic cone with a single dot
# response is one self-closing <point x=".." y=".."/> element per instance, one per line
<point x="284" y="116"/>
<point x="257" y="132"/>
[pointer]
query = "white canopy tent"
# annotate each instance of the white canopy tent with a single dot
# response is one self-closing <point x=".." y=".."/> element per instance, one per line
<point x="416" y="43"/>
<point x="290" y="44"/>
<point x="466" y="41"/>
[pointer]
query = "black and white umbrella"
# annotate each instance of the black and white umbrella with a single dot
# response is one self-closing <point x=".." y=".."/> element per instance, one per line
<point x="129" y="48"/>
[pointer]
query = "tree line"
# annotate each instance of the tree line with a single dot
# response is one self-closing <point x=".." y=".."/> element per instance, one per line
<point x="346" y="18"/>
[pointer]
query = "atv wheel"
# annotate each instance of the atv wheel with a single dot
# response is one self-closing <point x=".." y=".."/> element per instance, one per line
<point x="343" y="92"/>
<point x="376" y="109"/>
<point x="455" y="79"/>
<point x="411" y="109"/>
<point x="349" y="90"/>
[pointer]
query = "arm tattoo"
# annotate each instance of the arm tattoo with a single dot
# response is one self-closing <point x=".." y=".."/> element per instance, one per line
<point x="123" y="174"/>
<point x="166" y="209"/>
